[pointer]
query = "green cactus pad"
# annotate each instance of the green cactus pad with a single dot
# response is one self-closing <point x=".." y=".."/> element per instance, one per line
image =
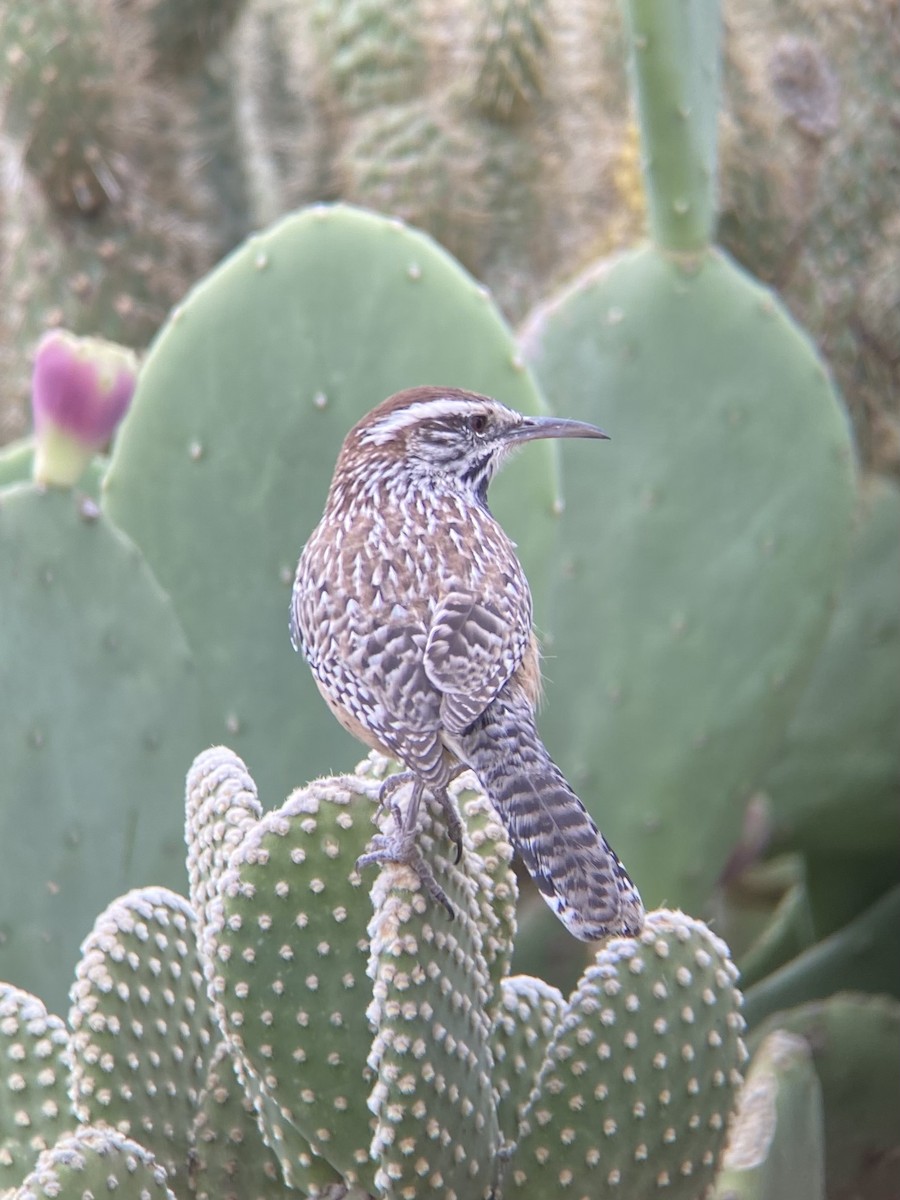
<point x="776" y="1145"/>
<point x="95" y="746"/>
<point x="142" y="1033"/>
<point x="854" y="1040"/>
<point x="676" y="62"/>
<point x="835" y="781"/>
<point x="241" y="408"/>
<point x="638" y="1084"/>
<point x="697" y="563"/>
<point x="486" y="837"/>
<point x="436" y="1131"/>
<point x="286" y="957"/>
<point x="95" y="1162"/>
<point x="230" y="1160"/>
<point x="16" y="461"/>
<point x="528" y="1013"/>
<point x="221" y="806"/>
<point x="34" y="1102"/>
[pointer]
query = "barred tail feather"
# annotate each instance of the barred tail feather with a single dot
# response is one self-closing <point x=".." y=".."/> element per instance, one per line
<point x="573" y="865"/>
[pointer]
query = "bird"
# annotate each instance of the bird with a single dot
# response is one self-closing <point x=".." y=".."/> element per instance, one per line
<point x="414" y="614"/>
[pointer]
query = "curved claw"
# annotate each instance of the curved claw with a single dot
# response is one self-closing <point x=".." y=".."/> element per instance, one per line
<point x="393" y="784"/>
<point x="401" y="848"/>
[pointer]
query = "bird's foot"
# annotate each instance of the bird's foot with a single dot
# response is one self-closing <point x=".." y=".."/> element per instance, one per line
<point x="402" y="847"/>
<point x="393" y="784"/>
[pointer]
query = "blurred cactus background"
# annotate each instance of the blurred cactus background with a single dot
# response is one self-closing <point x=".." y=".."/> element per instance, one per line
<point x="143" y="139"/>
<point x="262" y="218"/>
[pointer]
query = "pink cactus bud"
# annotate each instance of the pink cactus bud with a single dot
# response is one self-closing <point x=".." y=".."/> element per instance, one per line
<point x="81" y="389"/>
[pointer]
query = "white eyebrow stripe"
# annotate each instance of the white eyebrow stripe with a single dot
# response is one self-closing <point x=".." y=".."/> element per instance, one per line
<point x="443" y="407"/>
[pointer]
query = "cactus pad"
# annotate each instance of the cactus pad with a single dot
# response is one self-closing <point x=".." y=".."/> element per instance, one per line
<point x="689" y="611"/>
<point x="486" y="837"/>
<point x="95" y="1162"/>
<point x="61" y="100"/>
<point x="640" y="1079"/>
<point x="230" y="1161"/>
<point x="528" y="1013"/>
<point x="286" y="956"/>
<point x="776" y="1145"/>
<point x="854" y="1041"/>
<point x="436" y="1130"/>
<point x="94" y="749"/>
<point x="391" y="1049"/>
<point x="34" y="1105"/>
<point x="835" y="781"/>
<point x="142" y="1035"/>
<point x="221" y="806"/>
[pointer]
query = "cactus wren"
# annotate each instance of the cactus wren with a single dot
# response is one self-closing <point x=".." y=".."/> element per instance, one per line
<point x="415" y="616"/>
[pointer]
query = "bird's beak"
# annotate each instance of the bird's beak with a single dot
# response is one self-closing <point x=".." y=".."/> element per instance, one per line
<point x="553" y="427"/>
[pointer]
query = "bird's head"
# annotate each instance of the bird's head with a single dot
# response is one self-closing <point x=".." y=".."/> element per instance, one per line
<point x="458" y="437"/>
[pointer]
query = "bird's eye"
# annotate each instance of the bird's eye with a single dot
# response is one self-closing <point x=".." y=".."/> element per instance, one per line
<point x="478" y="422"/>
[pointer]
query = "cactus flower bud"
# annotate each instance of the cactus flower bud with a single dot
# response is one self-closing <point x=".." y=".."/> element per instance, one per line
<point x="81" y="389"/>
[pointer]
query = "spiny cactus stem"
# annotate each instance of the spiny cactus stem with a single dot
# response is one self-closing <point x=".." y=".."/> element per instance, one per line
<point x="674" y="49"/>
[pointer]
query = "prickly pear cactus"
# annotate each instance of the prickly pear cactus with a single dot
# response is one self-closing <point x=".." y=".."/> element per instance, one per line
<point x="698" y="598"/>
<point x="436" y="1128"/>
<point x="142" y="1036"/>
<point x="229" y="1159"/>
<point x="34" y="1103"/>
<point x="776" y="1145"/>
<point x="812" y="155"/>
<point x="388" y="1046"/>
<point x="528" y="1012"/>
<point x="835" y="780"/>
<point x="222" y="805"/>
<point x="107" y="716"/>
<point x="488" y="840"/>
<point x="142" y="1060"/>
<point x="301" y="1031"/>
<point x="291" y="1003"/>
<point x="93" y="1161"/>
<point x="638" y="1082"/>
<point x="853" y="1040"/>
